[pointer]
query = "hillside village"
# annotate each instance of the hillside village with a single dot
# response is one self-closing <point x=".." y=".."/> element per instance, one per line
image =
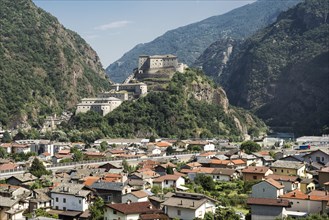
<point x="163" y="179"/>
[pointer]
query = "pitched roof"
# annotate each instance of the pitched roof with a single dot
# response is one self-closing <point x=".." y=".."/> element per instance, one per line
<point x="88" y="181"/>
<point x="187" y="203"/>
<point x="8" y="202"/>
<point x="287" y="164"/>
<point x="208" y="170"/>
<point x="253" y="169"/>
<point x="166" y="177"/>
<point x="8" y="166"/>
<point x="315" y="195"/>
<point x="268" y="202"/>
<point x="140" y="194"/>
<point x="284" y="178"/>
<point x="71" y="189"/>
<point x="134" y="207"/>
<point x="115" y="186"/>
<point x="274" y="183"/>
<point x="223" y="171"/>
<point x="25" y="177"/>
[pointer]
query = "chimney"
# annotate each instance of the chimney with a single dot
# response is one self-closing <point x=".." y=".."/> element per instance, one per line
<point x="294" y="194"/>
<point x="193" y="204"/>
<point x="181" y="202"/>
<point x="150" y="206"/>
<point x="308" y="197"/>
<point x="128" y="201"/>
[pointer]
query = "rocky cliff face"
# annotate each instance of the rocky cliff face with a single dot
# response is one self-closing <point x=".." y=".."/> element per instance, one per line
<point x="45" y="68"/>
<point x="281" y="72"/>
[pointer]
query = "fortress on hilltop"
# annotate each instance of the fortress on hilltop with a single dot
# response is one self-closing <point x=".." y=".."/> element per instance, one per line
<point x="158" y="66"/>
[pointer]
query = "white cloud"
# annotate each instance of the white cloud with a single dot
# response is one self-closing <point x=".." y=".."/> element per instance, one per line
<point x="113" y="25"/>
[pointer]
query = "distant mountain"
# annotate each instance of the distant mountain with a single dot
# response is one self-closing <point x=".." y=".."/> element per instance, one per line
<point x="190" y="106"/>
<point x="44" y="68"/>
<point x="282" y="72"/>
<point x="190" y="41"/>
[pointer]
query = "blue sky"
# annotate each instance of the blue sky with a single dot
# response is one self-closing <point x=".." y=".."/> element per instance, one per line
<point x="113" y="27"/>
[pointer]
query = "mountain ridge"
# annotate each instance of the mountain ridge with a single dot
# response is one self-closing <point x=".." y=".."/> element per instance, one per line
<point x="188" y="42"/>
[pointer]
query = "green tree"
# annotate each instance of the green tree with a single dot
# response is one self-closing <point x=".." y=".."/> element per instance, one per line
<point x="250" y="147"/>
<point x="226" y="214"/>
<point x="43" y="213"/>
<point x="77" y="154"/>
<point x="3" y="153"/>
<point x="169" y="170"/>
<point x="169" y="150"/>
<point x="103" y="146"/>
<point x="38" y="169"/>
<point x="205" y="181"/>
<point x="208" y="216"/>
<point x="126" y="167"/>
<point x="6" y="137"/>
<point x="152" y="139"/>
<point x="156" y="190"/>
<point x="97" y="209"/>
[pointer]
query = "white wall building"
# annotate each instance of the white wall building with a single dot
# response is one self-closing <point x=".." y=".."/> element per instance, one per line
<point x="70" y="197"/>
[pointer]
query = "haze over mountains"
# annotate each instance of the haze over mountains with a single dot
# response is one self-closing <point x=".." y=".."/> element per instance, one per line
<point x="189" y="42"/>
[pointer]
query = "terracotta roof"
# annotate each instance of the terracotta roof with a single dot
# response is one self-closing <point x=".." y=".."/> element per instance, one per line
<point x="8" y="166"/>
<point x="46" y="154"/>
<point x="20" y="145"/>
<point x="6" y="145"/>
<point x="194" y="164"/>
<point x="153" y="216"/>
<point x="134" y="207"/>
<point x="274" y="183"/>
<point x="163" y="144"/>
<point x="284" y="178"/>
<point x="168" y="164"/>
<point x="116" y="151"/>
<point x="198" y="170"/>
<point x="296" y="194"/>
<point x="64" y="152"/>
<point x="207" y="154"/>
<point x="268" y="202"/>
<point x="166" y="177"/>
<point x="88" y="181"/>
<point x="226" y="162"/>
<point x="252" y="169"/>
<point x="94" y="154"/>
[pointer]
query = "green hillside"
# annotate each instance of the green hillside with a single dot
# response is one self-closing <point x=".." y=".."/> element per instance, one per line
<point x="282" y="72"/>
<point x="44" y="68"/>
<point x="191" y="106"/>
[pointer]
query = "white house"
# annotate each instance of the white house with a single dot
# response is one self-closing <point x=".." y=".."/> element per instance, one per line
<point x="314" y="202"/>
<point x="320" y="156"/>
<point x="187" y="206"/>
<point x="209" y="147"/>
<point x="267" y="189"/>
<point x="73" y="197"/>
<point x="136" y="196"/>
<point x="168" y="181"/>
<point x="12" y="208"/>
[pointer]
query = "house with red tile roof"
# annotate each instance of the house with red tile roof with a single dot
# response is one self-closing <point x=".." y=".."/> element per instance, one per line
<point x="252" y="173"/>
<point x="237" y="164"/>
<point x="314" y="202"/>
<point x="130" y="210"/>
<point x="290" y="182"/>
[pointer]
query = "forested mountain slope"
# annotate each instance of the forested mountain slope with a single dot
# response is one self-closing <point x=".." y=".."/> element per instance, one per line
<point x="44" y="67"/>
<point x="282" y="72"/>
